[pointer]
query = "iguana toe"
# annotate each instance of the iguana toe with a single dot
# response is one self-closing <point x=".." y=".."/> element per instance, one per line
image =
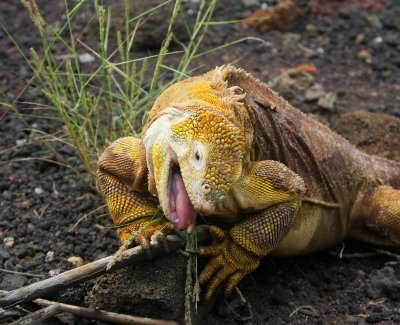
<point x="229" y="263"/>
<point x="157" y="237"/>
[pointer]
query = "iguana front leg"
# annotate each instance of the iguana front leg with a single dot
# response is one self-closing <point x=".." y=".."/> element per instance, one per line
<point x="122" y="175"/>
<point x="277" y="191"/>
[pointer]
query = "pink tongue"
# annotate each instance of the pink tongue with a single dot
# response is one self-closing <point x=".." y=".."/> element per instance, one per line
<point x="182" y="212"/>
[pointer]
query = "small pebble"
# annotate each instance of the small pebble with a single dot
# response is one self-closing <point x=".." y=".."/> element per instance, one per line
<point x="310" y="28"/>
<point x="54" y="272"/>
<point x="352" y="319"/>
<point x="282" y="296"/>
<point x="377" y="44"/>
<point x="23" y="252"/>
<point x="3" y="254"/>
<point x="384" y="283"/>
<point x="251" y="3"/>
<point x="75" y="261"/>
<point x="26" y="204"/>
<point x="68" y="319"/>
<point x="7" y="195"/>
<point x="86" y="58"/>
<point x="327" y="101"/>
<point x="8" y="265"/>
<point x="375" y="21"/>
<point x="38" y="190"/>
<point x="30" y="228"/>
<point x="20" y="142"/>
<point x="313" y="93"/>
<point x="363" y="54"/>
<point x="8" y="242"/>
<point x="360" y="38"/>
<point x="12" y="281"/>
<point x="374" y="318"/>
<point x="49" y="256"/>
<point x="377" y="40"/>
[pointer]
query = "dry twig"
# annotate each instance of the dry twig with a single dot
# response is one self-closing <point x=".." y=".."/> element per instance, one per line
<point x="27" y="274"/>
<point x="39" y="316"/>
<point x="306" y="310"/>
<point x="52" y="308"/>
<point x="101" y="315"/>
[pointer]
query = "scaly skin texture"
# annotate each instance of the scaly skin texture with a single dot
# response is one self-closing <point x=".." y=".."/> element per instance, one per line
<point x="279" y="182"/>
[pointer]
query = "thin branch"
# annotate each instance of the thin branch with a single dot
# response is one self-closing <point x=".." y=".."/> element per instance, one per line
<point x="387" y="253"/>
<point x="103" y="316"/>
<point x="306" y="310"/>
<point x="8" y="313"/>
<point x="27" y="274"/>
<point x="376" y="251"/>
<point x="87" y="215"/>
<point x="37" y="158"/>
<point x="354" y="255"/>
<point x="39" y="316"/>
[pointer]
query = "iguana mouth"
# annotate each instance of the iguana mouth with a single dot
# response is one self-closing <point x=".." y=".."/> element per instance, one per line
<point x="181" y="210"/>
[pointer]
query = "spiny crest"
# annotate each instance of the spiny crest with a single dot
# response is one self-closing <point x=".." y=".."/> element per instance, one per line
<point x="229" y="95"/>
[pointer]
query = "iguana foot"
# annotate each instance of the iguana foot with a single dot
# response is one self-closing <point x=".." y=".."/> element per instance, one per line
<point x="230" y="263"/>
<point x="140" y="233"/>
<point x="382" y="213"/>
<point x="145" y="233"/>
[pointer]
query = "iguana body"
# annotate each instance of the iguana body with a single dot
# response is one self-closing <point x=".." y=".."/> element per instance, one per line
<point x="225" y="146"/>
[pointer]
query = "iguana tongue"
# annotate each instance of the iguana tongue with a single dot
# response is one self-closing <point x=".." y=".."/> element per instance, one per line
<point x="182" y="212"/>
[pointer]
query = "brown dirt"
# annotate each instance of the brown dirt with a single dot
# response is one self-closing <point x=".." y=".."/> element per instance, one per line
<point x="154" y="288"/>
<point x="375" y="134"/>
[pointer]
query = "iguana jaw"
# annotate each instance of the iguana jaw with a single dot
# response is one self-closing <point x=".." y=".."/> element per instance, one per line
<point x="171" y="191"/>
<point x="179" y="192"/>
<point x="180" y="209"/>
<point x="164" y="156"/>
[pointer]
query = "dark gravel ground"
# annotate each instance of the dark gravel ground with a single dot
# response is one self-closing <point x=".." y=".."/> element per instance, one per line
<point x="357" y="56"/>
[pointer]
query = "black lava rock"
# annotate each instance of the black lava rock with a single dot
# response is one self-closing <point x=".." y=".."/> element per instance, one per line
<point x="282" y="296"/>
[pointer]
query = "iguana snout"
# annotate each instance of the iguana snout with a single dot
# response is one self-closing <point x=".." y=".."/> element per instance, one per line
<point x="177" y="166"/>
<point x="182" y="192"/>
<point x="187" y="197"/>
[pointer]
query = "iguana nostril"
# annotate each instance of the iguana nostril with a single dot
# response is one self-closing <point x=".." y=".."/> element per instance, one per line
<point x="206" y="188"/>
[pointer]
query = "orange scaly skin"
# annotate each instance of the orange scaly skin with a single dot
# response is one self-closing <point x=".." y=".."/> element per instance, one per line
<point x="280" y="182"/>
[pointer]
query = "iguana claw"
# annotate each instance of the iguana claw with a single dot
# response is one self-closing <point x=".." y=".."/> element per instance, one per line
<point x="152" y="235"/>
<point x="229" y="263"/>
<point x="157" y="237"/>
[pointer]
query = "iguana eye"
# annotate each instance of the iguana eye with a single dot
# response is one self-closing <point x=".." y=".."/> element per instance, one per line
<point x="198" y="155"/>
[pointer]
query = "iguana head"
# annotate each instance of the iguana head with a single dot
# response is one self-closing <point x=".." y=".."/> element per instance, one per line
<point x="195" y="146"/>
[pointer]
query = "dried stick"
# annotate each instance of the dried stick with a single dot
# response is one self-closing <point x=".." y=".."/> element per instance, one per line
<point x="53" y="308"/>
<point x="29" y="275"/>
<point x="39" y="316"/>
<point x="103" y="316"/>
<point x="94" y="269"/>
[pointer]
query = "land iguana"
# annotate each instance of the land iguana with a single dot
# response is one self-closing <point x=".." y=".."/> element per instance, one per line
<point x="225" y="148"/>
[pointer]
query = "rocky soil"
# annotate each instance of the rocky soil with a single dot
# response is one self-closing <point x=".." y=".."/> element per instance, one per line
<point x="339" y="63"/>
